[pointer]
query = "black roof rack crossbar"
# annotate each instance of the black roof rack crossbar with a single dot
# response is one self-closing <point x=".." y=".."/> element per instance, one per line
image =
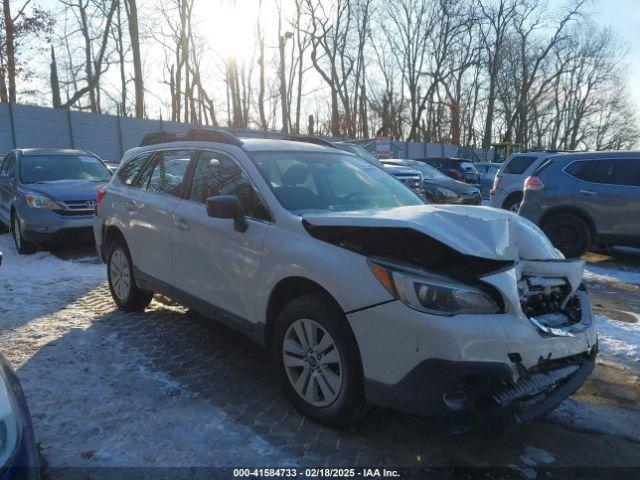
<point x="194" y="135"/>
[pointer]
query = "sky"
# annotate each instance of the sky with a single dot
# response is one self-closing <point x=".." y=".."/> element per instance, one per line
<point x="234" y="34"/>
<point x="624" y="17"/>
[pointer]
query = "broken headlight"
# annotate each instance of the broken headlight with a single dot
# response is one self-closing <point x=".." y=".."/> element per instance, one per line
<point x="431" y="293"/>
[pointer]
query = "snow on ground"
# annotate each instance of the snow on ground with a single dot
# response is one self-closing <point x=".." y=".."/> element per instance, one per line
<point x="620" y="341"/>
<point x="607" y="274"/>
<point x="96" y="400"/>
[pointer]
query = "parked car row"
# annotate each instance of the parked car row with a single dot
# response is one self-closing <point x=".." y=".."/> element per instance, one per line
<point x="310" y="247"/>
<point x="580" y="200"/>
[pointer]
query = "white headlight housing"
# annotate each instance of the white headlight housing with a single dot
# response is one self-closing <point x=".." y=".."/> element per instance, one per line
<point x="432" y="293"/>
<point x="40" y="201"/>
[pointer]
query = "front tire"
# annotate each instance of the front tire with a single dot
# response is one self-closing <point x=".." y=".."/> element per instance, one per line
<point x="122" y="283"/>
<point x="22" y="246"/>
<point x="318" y="360"/>
<point x="569" y="234"/>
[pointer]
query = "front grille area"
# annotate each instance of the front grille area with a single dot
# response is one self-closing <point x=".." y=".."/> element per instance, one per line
<point x="73" y="208"/>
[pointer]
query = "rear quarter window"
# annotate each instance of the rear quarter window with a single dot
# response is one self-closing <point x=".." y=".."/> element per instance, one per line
<point x="130" y="170"/>
<point x="518" y="165"/>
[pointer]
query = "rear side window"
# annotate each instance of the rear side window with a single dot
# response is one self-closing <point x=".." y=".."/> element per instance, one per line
<point x="626" y="171"/>
<point x="130" y="170"/>
<point x="169" y="171"/>
<point x="594" y="171"/>
<point x="518" y="165"/>
<point x="216" y="174"/>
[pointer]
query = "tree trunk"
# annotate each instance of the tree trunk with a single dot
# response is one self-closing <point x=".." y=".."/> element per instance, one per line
<point x="55" y="83"/>
<point x="10" y="31"/>
<point x="134" y="37"/>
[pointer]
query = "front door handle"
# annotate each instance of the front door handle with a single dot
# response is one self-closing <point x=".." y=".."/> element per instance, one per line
<point x="591" y="193"/>
<point x="181" y="224"/>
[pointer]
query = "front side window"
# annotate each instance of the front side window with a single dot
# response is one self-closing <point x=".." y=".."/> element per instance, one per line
<point x="518" y="165"/>
<point x="168" y="174"/>
<point x="310" y="181"/>
<point x="52" y="168"/>
<point x="216" y="174"/>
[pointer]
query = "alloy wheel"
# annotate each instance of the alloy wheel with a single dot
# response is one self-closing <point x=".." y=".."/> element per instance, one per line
<point x="312" y="363"/>
<point x="120" y="274"/>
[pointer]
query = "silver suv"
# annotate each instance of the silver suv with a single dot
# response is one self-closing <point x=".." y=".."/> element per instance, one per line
<point x="508" y="186"/>
<point x="362" y="293"/>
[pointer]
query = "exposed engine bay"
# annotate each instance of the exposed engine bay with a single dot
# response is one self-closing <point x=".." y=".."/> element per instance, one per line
<point x="549" y="301"/>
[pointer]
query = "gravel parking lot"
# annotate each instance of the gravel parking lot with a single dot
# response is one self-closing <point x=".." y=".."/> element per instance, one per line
<point x="169" y="388"/>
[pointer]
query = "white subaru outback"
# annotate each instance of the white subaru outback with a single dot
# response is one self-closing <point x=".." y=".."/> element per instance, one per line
<point x="364" y="294"/>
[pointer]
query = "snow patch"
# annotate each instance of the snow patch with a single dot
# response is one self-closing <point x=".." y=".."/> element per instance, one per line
<point x="612" y="420"/>
<point x="611" y="275"/>
<point x="619" y="340"/>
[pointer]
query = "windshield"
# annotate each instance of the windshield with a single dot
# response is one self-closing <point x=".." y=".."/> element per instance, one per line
<point x="428" y="172"/>
<point x="309" y="181"/>
<point x="362" y="153"/>
<point x="51" y="168"/>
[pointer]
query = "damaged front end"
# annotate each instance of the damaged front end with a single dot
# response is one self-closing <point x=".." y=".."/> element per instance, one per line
<point x="498" y="320"/>
<point x="552" y="296"/>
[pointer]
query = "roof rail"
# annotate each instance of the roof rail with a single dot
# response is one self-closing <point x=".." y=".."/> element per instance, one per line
<point x="158" y="137"/>
<point x="194" y="135"/>
<point x="310" y="139"/>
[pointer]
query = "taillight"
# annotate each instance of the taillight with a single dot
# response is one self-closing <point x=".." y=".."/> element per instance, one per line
<point x="496" y="182"/>
<point x="533" y="183"/>
<point x="100" y="195"/>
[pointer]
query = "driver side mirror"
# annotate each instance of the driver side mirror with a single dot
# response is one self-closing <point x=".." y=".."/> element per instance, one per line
<point x="228" y="206"/>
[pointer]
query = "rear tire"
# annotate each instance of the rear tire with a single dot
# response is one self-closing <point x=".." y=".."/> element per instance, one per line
<point x="122" y="282"/>
<point x="512" y="203"/>
<point x="22" y="246"/>
<point x="569" y="234"/>
<point x="323" y="372"/>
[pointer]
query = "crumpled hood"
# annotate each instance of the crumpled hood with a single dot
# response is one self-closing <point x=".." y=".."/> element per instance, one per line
<point x="478" y="231"/>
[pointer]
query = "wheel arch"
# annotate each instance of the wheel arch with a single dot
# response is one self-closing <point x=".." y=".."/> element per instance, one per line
<point x="570" y="210"/>
<point x="109" y="234"/>
<point x="514" y="194"/>
<point x="286" y="290"/>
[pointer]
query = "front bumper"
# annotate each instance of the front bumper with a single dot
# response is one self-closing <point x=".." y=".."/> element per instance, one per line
<point x="428" y="364"/>
<point x="45" y="226"/>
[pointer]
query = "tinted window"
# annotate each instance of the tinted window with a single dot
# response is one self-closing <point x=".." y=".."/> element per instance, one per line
<point x="129" y="172"/>
<point x="216" y="174"/>
<point x="626" y="171"/>
<point x="168" y="173"/>
<point x="518" y="165"/>
<point x="304" y="181"/>
<point x="51" y="168"/>
<point x="596" y="171"/>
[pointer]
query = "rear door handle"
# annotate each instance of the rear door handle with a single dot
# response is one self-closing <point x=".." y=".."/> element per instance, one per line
<point x="181" y="224"/>
<point x="132" y="205"/>
<point x="591" y="193"/>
